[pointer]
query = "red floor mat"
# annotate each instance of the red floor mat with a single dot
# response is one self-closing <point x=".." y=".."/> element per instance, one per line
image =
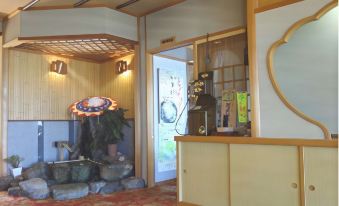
<point x="163" y="195"/>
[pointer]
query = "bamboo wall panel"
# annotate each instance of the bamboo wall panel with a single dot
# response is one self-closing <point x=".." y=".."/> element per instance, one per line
<point x="37" y="94"/>
<point x="119" y="87"/>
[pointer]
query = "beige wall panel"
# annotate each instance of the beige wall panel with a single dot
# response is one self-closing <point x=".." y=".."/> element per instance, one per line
<point x="204" y="173"/>
<point x="321" y="171"/>
<point x="264" y="175"/>
<point x="119" y="87"/>
<point x="276" y="120"/>
<point x="193" y="18"/>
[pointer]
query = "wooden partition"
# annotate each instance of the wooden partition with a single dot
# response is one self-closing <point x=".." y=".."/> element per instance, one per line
<point x="37" y="94"/>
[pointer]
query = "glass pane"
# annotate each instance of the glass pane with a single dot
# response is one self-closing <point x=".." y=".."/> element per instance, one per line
<point x="228" y="85"/>
<point x="217" y="76"/>
<point x="239" y="86"/>
<point x="217" y="90"/>
<point x="239" y="73"/>
<point x="228" y="74"/>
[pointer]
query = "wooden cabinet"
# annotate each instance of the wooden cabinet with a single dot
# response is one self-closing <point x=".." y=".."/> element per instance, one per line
<point x="233" y="171"/>
<point x="264" y="175"/>
<point x="321" y="176"/>
<point x="203" y="173"/>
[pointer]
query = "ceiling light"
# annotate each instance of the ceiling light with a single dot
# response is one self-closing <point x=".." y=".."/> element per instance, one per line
<point x="30" y="4"/>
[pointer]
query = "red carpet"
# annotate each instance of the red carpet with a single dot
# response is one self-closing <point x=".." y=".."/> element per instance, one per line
<point x="164" y="195"/>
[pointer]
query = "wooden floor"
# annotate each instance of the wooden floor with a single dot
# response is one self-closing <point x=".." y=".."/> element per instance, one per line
<point x="161" y="195"/>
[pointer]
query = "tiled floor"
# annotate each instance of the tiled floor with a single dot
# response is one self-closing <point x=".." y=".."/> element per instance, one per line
<point x="163" y="195"/>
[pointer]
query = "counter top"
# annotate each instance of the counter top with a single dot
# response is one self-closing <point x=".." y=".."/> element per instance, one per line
<point x="258" y="140"/>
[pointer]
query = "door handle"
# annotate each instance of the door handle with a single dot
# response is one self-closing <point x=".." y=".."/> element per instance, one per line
<point x="294" y="185"/>
<point x="311" y="187"/>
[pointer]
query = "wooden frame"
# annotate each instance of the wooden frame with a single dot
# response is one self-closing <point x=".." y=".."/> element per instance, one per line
<point x="149" y="65"/>
<point x="271" y="72"/>
<point x="253" y="71"/>
<point x="92" y="47"/>
<point x="274" y="5"/>
<point x="260" y="141"/>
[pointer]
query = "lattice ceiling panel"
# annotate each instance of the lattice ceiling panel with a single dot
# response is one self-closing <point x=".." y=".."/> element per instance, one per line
<point x="97" y="49"/>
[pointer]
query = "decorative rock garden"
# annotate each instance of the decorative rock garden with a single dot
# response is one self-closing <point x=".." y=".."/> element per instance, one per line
<point x="73" y="179"/>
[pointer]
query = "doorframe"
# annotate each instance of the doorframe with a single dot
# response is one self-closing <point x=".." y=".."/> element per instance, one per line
<point x="150" y="93"/>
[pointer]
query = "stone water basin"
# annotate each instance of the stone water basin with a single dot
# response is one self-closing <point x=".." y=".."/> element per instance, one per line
<point x="74" y="171"/>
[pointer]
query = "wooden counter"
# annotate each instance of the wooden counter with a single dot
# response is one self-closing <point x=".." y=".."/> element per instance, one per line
<point x="243" y="171"/>
<point x="260" y="141"/>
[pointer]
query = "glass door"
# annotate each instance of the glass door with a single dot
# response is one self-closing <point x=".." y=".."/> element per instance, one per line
<point x="170" y="113"/>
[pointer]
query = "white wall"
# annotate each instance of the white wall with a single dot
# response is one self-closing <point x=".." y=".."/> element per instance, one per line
<point x="75" y="22"/>
<point x="276" y="120"/>
<point x="193" y="18"/>
<point x="307" y="69"/>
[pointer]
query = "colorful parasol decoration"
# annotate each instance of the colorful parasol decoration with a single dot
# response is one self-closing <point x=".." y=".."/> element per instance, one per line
<point x="93" y="106"/>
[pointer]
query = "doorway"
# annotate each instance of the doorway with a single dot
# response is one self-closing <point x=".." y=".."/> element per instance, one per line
<point x="172" y="70"/>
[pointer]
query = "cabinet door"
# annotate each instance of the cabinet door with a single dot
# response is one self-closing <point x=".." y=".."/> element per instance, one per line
<point x="321" y="176"/>
<point x="264" y="175"/>
<point x="203" y="173"/>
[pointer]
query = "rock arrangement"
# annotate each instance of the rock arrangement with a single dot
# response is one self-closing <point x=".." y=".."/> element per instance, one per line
<point x="72" y="180"/>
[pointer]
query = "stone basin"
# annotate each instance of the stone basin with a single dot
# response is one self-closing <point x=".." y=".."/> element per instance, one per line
<point x="72" y="171"/>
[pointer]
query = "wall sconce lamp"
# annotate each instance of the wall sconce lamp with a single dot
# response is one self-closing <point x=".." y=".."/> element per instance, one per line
<point x="59" y="67"/>
<point x="121" y="67"/>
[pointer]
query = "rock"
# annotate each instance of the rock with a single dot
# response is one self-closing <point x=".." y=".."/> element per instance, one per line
<point x="95" y="187"/>
<point x="116" y="171"/>
<point x="35" y="188"/>
<point x="69" y="191"/>
<point x="5" y="182"/>
<point x="51" y="182"/>
<point x="38" y="170"/>
<point x="61" y="173"/>
<point x="16" y="192"/>
<point x="133" y="183"/>
<point x="81" y="172"/>
<point x="111" y="187"/>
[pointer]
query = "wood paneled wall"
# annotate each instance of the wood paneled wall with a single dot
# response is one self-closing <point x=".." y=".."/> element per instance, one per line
<point x="37" y="94"/>
<point x="119" y="87"/>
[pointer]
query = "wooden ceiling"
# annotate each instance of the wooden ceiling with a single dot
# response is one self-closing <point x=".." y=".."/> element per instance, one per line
<point x="97" y="48"/>
<point x="138" y="8"/>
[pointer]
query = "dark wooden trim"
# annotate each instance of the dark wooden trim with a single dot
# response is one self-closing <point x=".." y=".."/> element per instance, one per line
<point x="78" y="36"/>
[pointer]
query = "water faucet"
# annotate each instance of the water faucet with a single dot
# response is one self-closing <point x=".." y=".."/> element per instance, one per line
<point x="65" y="145"/>
<point x="61" y="145"/>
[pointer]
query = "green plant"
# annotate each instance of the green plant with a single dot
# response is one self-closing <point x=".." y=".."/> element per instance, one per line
<point x="108" y="129"/>
<point x="14" y="160"/>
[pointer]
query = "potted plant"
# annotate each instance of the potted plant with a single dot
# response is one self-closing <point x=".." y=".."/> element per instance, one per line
<point x="108" y="130"/>
<point x="15" y="161"/>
